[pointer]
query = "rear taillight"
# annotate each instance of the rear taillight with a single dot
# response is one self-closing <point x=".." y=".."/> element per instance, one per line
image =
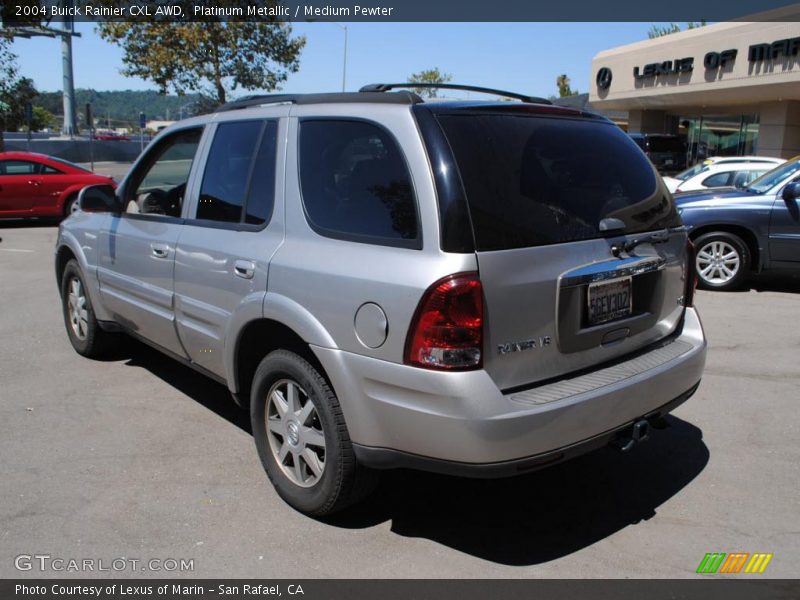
<point x="689" y="275"/>
<point x="447" y="329"/>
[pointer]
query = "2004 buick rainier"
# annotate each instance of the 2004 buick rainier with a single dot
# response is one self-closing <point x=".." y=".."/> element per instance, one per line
<point x="475" y="288"/>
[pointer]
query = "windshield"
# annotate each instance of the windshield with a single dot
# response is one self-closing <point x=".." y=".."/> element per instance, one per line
<point x="532" y="181"/>
<point x="772" y="178"/>
<point x="666" y="144"/>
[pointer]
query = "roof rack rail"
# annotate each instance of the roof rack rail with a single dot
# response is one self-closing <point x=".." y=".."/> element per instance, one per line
<point x="257" y="100"/>
<point x="337" y="97"/>
<point x="385" y="87"/>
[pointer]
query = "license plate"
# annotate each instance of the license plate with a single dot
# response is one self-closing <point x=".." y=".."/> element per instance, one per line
<point x="609" y="300"/>
<point x="668" y="161"/>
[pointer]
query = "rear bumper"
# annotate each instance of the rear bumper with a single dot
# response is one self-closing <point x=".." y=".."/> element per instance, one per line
<point x="400" y="416"/>
<point x="383" y="458"/>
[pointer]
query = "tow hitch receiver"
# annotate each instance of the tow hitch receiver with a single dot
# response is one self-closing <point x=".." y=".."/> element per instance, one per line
<point x="636" y="433"/>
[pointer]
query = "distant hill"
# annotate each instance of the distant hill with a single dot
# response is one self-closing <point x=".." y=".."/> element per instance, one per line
<point x="122" y="107"/>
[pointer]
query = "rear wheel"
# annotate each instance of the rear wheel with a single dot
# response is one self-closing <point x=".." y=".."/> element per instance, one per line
<point x="302" y="439"/>
<point x="722" y="260"/>
<point x="71" y="206"/>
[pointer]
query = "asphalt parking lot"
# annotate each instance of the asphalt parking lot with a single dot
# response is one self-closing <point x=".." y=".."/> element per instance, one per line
<point x="139" y="457"/>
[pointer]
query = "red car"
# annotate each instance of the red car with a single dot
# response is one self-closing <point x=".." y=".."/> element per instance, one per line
<point x="37" y="185"/>
<point x="111" y="137"/>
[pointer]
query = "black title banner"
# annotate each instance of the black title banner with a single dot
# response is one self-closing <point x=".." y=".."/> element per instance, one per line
<point x="419" y="589"/>
<point x="25" y="12"/>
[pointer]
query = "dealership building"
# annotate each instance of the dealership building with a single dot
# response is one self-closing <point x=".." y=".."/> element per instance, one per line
<point x="730" y="88"/>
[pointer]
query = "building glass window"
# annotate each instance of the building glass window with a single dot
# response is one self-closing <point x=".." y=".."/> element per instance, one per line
<point x="727" y="135"/>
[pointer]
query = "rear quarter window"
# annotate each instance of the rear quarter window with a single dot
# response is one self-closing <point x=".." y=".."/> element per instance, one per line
<point x="355" y="183"/>
<point x="534" y="180"/>
<point x="718" y="179"/>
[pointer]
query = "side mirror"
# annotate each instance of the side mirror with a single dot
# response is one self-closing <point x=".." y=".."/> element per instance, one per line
<point x="791" y="192"/>
<point x="99" y="198"/>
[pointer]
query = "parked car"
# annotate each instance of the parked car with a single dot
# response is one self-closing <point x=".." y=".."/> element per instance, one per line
<point x="715" y="161"/>
<point x="735" y="175"/>
<point x="738" y="232"/>
<point x="37" y="185"/>
<point x="111" y="136"/>
<point x="667" y="152"/>
<point x="471" y="288"/>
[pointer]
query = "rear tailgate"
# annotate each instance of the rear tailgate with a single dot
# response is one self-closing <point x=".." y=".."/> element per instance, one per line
<point x="558" y="299"/>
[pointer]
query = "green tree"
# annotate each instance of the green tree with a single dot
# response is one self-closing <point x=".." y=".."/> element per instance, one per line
<point x="20" y="93"/>
<point x="429" y="76"/>
<point x="564" y="89"/>
<point x="211" y="57"/>
<point x="657" y="31"/>
<point x="15" y="91"/>
<point x="8" y="79"/>
<point x="42" y="119"/>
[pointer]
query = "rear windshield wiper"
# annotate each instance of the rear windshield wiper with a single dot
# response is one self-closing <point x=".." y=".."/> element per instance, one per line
<point x="659" y="237"/>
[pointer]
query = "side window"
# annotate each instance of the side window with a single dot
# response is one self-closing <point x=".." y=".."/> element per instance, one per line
<point x="227" y="169"/>
<point x="355" y="183"/>
<point x="18" y="167"/>
<point x="239" y="180"/>
<point x="48" y="170"/>
<point x="717" y="180"/>
<point x="261" y="195"/>
<point x="160" y="183"/>
<point x="742" y="178"/>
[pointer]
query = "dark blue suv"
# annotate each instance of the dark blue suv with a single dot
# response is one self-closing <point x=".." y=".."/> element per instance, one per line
<point x="738" y="232"/>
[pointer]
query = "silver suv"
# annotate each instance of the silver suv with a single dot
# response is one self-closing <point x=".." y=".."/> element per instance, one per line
<point x="475" y="288"/>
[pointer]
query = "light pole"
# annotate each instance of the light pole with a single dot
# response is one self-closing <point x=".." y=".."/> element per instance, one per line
<point x="184" y="108"/>
<point x="344" y="62"/>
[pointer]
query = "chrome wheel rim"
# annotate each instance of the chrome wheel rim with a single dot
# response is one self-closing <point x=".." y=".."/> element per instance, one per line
<point x="295" y="433"/>
<point x="74" y="207"/>
<point x="718" y="262"/>
<point x="76" y="305"/>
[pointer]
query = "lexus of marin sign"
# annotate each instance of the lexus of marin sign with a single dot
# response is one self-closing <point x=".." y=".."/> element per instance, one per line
<point x="712" y="60"/>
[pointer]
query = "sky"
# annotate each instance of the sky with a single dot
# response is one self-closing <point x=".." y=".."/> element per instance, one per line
<point x="521" y="57"/>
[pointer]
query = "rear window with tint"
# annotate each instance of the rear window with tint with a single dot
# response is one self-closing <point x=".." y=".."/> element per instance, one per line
<point x="532" y="181"/>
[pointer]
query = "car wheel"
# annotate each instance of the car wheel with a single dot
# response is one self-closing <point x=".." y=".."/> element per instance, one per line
<point x="302" y="439"/>
<point x="84" y="332"/>
<point x="71" y="206"/>
<point x="722" y="260"/>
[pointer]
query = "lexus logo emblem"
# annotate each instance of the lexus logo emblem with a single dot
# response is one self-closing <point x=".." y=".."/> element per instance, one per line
<point x="603" y="78"/>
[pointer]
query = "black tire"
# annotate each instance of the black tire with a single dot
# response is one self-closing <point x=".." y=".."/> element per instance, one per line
<point x="342" y="481"/>
<point x="715" y="280"/>
<point x="94" y="343"/>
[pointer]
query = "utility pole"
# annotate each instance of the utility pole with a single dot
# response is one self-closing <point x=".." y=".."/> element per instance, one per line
<point x="66" y="60"/>
<point x="344" y="61"/>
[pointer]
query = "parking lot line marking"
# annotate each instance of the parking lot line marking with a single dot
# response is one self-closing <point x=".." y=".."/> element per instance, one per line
<point x="15" y="250"/>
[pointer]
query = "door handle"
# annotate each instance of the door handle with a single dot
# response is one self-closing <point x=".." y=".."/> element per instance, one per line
<point x="244" y="269"/>
<point x="159" y="250"/>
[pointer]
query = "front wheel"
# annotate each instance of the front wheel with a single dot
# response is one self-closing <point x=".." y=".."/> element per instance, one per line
<point x="302" y="439"/>
<point x="722" y="260"/>
<point x="83" y="330"/>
